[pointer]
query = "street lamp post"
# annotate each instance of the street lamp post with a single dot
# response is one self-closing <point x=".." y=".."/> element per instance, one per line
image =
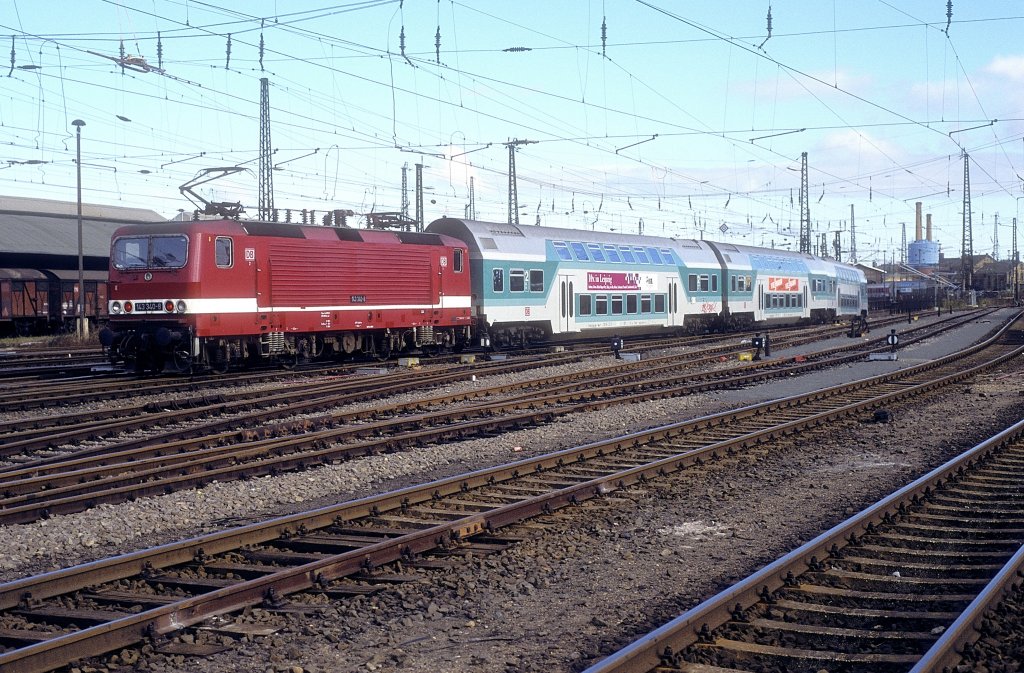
<point x="78" y="124"/>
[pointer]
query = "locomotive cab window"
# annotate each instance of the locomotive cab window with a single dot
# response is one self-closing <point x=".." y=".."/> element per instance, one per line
<point x="223" y="252"/>
<point x="457" y="260"/>
<point x="150" y="252"/>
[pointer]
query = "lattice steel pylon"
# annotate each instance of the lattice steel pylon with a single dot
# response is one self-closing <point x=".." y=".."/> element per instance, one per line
<point x="995" y="239"/>
<point x="805" y="208"/>
<point x="266" y="172"/>
<point x="967" y="248"/>
<point x="513" y="192"/>
<point x="853" y="238"/>
<point x="405" y="191"/>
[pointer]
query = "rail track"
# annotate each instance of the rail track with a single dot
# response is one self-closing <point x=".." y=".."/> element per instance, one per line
<point x="909" y="584"/>
<point x="343" y="550"/>
<point x="249" y="437"/>
<point x="69" y="379"/>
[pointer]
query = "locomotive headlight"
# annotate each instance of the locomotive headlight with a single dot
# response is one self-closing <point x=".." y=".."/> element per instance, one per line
<point x="115" y="307"/>
<point x="181" y="306"/>
<point x="127" y="307"/>
<point x="169" y="306"/>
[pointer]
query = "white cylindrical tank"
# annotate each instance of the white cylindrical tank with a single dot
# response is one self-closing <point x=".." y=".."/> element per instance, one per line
<point x="923" y="253"/>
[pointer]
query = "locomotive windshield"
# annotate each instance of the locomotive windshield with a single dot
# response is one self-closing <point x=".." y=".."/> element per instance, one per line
<point x="150" y="252"/>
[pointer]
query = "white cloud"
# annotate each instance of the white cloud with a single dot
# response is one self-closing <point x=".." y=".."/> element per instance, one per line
<point x="1010" y="67"/>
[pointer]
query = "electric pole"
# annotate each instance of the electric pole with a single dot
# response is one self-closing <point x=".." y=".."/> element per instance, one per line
<point x="853" y="238"/>
<point x="513" y="194"/>
<point x="967" y="246"/>
<point x="266" y="176"/>
<point x="805" y="208"/>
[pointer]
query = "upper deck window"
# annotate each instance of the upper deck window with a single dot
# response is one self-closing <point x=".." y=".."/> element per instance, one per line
<point x="562" y="250"/>
<point x="579" y="251"/>
<point x="150" y="252"/>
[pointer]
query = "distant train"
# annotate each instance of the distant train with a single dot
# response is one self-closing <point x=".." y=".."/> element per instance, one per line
<point x="43" y="301"/>
<point x="216" y="293"/>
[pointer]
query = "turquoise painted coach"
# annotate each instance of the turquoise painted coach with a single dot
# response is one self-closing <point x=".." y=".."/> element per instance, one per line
<point x="532" y="283"/>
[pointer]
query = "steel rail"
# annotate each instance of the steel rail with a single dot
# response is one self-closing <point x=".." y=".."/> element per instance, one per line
<point x="662" y="646"/>
<point x="127" y="630"/>
<point x="29" y="492"/>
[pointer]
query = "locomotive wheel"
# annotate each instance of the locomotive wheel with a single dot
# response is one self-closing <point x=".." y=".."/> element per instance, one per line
<point x="289" y="360"/>
<point x="182" y="361"/>
<point x="218" y="358"/>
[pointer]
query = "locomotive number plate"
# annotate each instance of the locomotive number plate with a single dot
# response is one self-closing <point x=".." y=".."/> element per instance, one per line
<point x="358" y="299"/>
<point x="148" y="306"/>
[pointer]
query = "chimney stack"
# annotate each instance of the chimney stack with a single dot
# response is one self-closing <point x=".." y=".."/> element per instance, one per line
<point x="928" y="226"/>
<point x="917" y="221"/>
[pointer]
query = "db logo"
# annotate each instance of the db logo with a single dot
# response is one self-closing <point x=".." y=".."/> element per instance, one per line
<point x="250" y="254"/>
<point x="444" y="262"/>
<point x="526" y="311"/>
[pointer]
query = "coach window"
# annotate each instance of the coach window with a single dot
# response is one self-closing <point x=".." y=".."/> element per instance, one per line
<point x="585" y="304"/>
<point x="457" y="262"/>
<point x="627" y="255"/>
<point x="641" y="256"/>
<point x="562" y="250"/>
<point x="653" y="254"/>
<point x="498" y="280"/>
<point x="616" y="304"/>
<point x="645" y="303"/>
<point x="222" y="247"/>
<point x="714" y="283"/>
<point x="595" y="252"/>
<point x="579" y="251"/>
<point x="667" y="255"/>
<point x="659" y="303"/>
<point x="704" y="282"/>
<point x="612" y="253"/>
<point x="692" y="282"/>
<point x="536" y="280"/>
<point x="601" y="304"/>
<point x="516" y="280"/>
<point x="631" y="303"/>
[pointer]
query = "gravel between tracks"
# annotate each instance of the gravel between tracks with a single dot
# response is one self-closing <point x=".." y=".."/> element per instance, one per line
<point x="638" y="560"/>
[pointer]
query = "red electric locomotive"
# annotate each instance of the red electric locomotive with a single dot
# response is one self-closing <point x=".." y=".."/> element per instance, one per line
<point x="214" y="293"/>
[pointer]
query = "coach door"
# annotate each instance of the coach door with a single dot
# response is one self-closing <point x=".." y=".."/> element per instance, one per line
<point x="566" y="305"/>
<point x="673" y="302"/>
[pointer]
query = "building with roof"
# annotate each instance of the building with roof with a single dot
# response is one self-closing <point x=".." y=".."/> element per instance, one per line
<point x="43" y="233"/>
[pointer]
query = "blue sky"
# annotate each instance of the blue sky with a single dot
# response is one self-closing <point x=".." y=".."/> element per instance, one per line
<point x="687" y="120"/>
